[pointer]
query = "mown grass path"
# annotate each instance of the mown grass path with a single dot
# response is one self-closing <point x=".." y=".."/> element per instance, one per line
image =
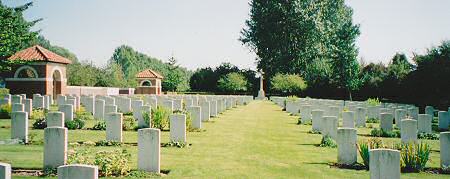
<point x="253" y="141"/>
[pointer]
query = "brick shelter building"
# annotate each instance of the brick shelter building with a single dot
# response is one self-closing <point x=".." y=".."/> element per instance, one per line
<point x="43" y="72"/>
<point x="149" y="82"/>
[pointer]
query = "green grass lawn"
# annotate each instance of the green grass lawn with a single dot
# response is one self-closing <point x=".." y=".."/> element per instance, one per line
<point x="254" y="141"/>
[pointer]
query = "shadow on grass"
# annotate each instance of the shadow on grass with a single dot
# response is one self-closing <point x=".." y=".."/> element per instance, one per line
<point x="356" y="166"/>
<point x="434" y="170"/>
<point x="317" y="163"/>
<point x="309" y="144"/>
<point x="365" y="135"/>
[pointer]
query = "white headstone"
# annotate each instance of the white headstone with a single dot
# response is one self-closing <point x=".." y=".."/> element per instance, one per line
<point x="38" y="101"/>
<point x="384" y="164"/>
<point x="114" y="127"/>
<point x="195" y="112"/>
<point x="144" y="110"/>
<point x="136" y="104"/>
<point x="5" y="170"/>
<point x="110" y="109"/>
<point x="409" y="131"/>
<point x="205" y="110"/>
<point x="424" y="123"/>
<point x="443" y="120"/>
<point x="28" y="106"/>
<point x="17" y="107"/>
<point x="99" y="109"/>
<point x="386" y="120"/>
<point x="55" y="147"/>
<point x="400" y="114"/>
<point x="19" y="126"/>
<point x="305" y="113"/>
<point x="317" y="119"/>
<point x="178" y="128"/>
<point x="346" y="141"/>
<point x="149" y="150"/>
<point x="178" y="105"/>
<point x="429" y="110"/>
<point x="55" y="119"/>
<point x="78" y="171"/>
<point x="67" y="109"/>
<point x="360" y="117"/>
<point x="60" y="99"/>
<point x="348" y="119"/>
<point x="16" y="99"/>
<point x="213" y="108"/>
<point x="444" y="140"/>
<point x="330" y="126"/>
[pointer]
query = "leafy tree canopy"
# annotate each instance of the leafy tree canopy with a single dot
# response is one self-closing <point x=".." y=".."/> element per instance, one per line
<point x="232" y="82"/>
<point x="288" y="83"/>
<point x="132" y="62"/>
<point x="15" y="32"/>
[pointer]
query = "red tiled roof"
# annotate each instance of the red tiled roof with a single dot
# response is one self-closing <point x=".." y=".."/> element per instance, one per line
<point x="149" y="74"/>
<point x="38" y="53"/>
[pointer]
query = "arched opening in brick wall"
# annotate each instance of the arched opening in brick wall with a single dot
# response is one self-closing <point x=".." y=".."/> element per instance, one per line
<point x="57" y="82"/>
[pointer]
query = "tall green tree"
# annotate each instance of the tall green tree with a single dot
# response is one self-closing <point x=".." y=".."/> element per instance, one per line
<point x="232" y="82"/>
<point x="15" y="32"/>
<point x="174" y="76"/>
<point x="344" y="51"/>
<point x="312" y="38"/>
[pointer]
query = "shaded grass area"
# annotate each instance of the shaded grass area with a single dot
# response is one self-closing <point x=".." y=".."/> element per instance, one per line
<point x="254" y="141"/>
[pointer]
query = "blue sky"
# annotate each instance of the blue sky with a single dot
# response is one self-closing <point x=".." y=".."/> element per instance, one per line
<point x="202" y="33"/>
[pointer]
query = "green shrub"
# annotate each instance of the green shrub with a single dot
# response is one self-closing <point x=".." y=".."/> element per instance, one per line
<point x="382" y="133"/>
<point x="128" y="113"/>
<point x="74" y="124"/>
<point x="365" y="147"/>
<point x="110" y="163"/>
<point x="372" y="120"/>
<point x="373" y="102"/>
<point x="5" y="111"/>
<point x="39" y="124"/>
<point x="415" y="156"/>
<point x="428" y="136"/>
<point x="292" y="98"/>
<point x="32" y="139"/>
<point x="129" y="123"/>
<point x="288" y="83"/>
<point x="327" y="141"/>
<point x="160" y="117"/>
<point x="38" y="114"/>
<point x="3" y="92"/>
<point x="147" y="116"/>
<point x="108" y="143"/>
<point x="82" y="114"/>
<point x="100" y="125"/>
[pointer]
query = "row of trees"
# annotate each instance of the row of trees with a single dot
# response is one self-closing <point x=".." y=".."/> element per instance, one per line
<point x="226" y="78"/>
<point x="315" y="39"/>
<point x="422" y="80"/>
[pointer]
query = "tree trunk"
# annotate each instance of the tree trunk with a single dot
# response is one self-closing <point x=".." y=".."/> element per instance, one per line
<point x="350" y="94"/>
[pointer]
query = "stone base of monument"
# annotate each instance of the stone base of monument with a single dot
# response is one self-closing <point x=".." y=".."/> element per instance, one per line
<point x="261" y="95"/>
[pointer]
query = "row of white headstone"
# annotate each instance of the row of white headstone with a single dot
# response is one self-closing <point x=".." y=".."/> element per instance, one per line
<point x="384" y="163"/>
<point x="306" y="107"/>
<point x="55" y="135"/>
